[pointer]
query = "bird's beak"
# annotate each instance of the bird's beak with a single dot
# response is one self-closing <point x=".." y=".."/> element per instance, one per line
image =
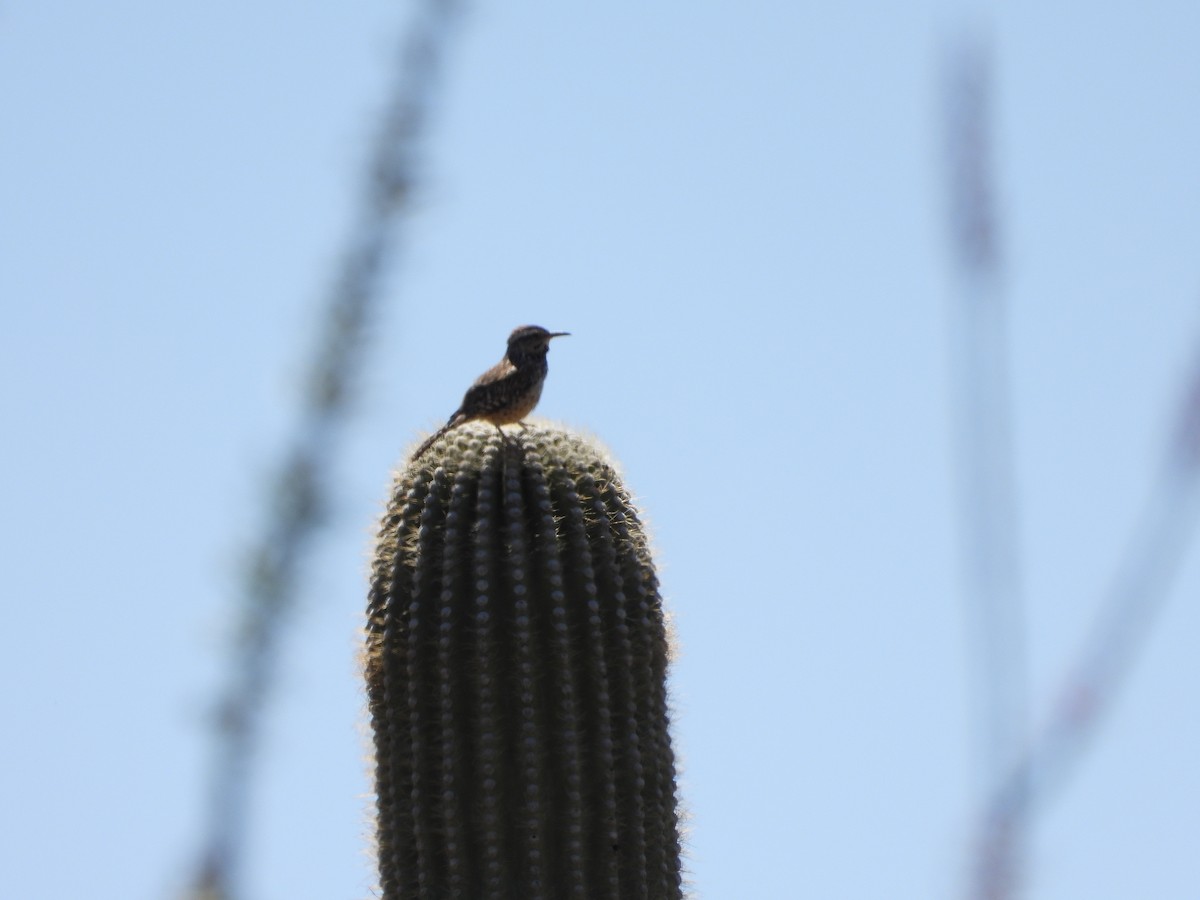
<point x="555" y="334"/>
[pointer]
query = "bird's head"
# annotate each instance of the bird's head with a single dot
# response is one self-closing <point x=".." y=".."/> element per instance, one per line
<point x="531" y="340"/>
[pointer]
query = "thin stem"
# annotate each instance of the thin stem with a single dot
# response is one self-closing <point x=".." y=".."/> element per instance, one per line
<point x="301" y="486"/>
<point x="988" y="492"/>
<point x="1119" y="632"/>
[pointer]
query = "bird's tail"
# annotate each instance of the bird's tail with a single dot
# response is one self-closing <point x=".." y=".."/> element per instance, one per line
<point x="455" y="419"/>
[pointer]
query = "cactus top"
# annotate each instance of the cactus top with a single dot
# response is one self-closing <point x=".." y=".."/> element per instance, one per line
<point x="516" y="672"/>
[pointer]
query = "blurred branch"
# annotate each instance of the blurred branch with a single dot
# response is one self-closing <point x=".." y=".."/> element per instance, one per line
<point x="1022" y="774"/>
<point x="988" y="494"/>
<point x="300" y="488"/>
<point x="1119" y="632"/>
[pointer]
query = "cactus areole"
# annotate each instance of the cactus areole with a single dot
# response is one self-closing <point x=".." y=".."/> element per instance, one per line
<point x="516" y="658"/>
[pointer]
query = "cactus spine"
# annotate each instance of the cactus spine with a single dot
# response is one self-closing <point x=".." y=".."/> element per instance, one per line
<point x="516" y="674"/>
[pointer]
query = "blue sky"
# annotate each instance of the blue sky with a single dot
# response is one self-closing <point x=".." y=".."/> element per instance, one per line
<point x="738" y="212"/>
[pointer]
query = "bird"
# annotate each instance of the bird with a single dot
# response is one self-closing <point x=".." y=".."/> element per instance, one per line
<point x="508" y="391"/>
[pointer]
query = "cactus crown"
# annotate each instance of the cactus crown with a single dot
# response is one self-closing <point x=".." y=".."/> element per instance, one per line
<point x="516" y="675"/>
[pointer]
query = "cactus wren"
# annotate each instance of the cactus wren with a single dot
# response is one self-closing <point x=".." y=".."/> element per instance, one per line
<point x="509" y="390"/>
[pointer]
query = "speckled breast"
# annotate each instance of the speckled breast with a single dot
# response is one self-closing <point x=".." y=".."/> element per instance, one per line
<point x="521" y="407"/>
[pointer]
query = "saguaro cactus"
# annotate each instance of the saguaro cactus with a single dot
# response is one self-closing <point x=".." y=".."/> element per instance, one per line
<point x="516" y="674"/>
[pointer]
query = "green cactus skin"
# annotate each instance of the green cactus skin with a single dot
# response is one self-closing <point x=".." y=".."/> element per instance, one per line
<point x="516" y="660"/>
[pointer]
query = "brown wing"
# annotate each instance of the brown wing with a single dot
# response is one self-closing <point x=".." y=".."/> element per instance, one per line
<point x="498" y="372"/>
<point x="490" y="391"/>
